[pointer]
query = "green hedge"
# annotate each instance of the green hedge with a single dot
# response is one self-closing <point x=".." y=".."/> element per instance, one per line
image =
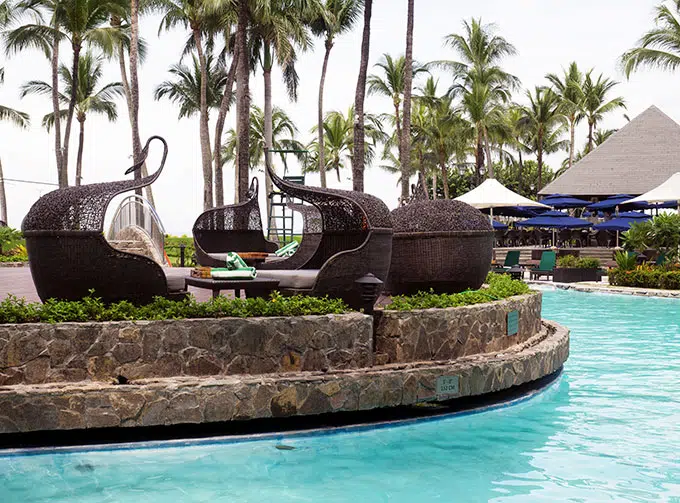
<point x="500" y="286"/>
<point x="646" y="277"/>
<point x="15" y="310"/>
<point x="172" y="249"/>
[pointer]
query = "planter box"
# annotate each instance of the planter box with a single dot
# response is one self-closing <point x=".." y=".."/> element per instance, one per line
<point x="574" y="275"/>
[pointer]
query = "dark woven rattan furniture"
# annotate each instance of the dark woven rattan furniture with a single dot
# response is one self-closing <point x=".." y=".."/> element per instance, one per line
<point x="443" y="245"/>
<point x="69" y="256"/>
<point x="356" y="239"/>
<point x="231" y="228"/>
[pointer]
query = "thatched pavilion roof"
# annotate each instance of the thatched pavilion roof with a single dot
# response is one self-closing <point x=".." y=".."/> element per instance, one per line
<point x="638" y="157"/>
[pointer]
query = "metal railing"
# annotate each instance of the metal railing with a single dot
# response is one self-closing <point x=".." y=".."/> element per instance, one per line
<point x="137" y="211"/>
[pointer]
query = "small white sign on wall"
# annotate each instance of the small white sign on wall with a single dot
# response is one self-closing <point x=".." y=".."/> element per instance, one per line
<point x="448" y="386"/>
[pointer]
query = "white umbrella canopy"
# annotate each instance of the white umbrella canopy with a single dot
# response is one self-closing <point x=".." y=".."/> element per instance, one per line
<point x="666" y="192"/>
<point x="492" y="194"/>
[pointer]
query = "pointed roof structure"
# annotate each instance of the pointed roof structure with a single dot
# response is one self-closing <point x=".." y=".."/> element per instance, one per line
<point x="638" y="157"/>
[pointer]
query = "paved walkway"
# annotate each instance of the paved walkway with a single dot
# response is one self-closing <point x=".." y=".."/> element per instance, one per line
<point x="18" y="281"/>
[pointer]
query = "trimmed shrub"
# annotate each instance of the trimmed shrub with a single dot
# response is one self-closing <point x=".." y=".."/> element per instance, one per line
<point x="572" y="262"/>
<point x="646" y="277"/>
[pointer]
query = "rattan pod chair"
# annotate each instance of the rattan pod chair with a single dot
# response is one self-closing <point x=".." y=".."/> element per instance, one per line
<point x="231" y="228"/>
<point x="69" y="255"/>
<point x="443" y="245"/>
<point x="356" y="239"/>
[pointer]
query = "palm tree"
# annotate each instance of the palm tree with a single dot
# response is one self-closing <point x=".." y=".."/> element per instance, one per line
<point x="242" y="99"/>
<point x="185" y="89"/>
<point x="480" y="81"/>
<point x="196" y="15"/>
<point x="392" y="86"/>
<point x="596" y="103"/>
<point x="544" y="123"/>
<point x="88" y="99"/>
<point x="569" y="88"/>
<point x="334" y="17"/>
<point x="518" y="136"/>
<point x="17" y="118"/>
<point x="79" y="23"/>
<point x="277" y="31"/>
<point x="359" y="148"/>
<point x="405" y="143"/>
<point x="283" y="137"/>
<point x="660" y="46"/>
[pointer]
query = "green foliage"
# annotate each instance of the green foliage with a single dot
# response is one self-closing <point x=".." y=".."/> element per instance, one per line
<point x="9" y="239"/>
<point x="15" y="310"/>
<point x="172" y="249"/>
<point x="660" y="233"/>
<point x="646" y="277"/>
<point x="501" y="286"/>
<point x="625" y="260"/>
<point x="572" y="262"/>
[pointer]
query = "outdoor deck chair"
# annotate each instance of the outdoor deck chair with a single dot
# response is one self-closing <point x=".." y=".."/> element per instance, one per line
<point x="546" y="267"/>
<point x="511" y="259"/>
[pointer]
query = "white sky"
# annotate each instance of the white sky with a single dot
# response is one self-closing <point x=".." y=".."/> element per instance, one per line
<point x="547" y="33"/>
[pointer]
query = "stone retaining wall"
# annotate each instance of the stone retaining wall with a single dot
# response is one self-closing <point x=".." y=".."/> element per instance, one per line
<point x="25" y="408"/>
<point x="444" y="334"/>
<point x="38" y="353"/>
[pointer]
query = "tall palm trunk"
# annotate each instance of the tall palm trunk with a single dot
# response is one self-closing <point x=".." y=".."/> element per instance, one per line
<point x="322" y="82"/>
<point x="591" y="126"/>
<point x="572" y="128"/>
<point x="479" y="159"/>
<point x="225" y="103"/>
<point x="445" y="173"/>
<point x="131" y="89"/>
<point x="434" y="184"/>
<point x="206" y="155"/>
<point x="519" y="172"/>
<point x="62" y="172"/>
<point x="3" y="197"/>
<point x="489" y="161"/>
<point x="268" y="135"/>
<point x="81" y="143"/>
<point x="539" y="161"/>
<point x="243" y="100"/>
<point x="358" y="156"/>
<point x="72" y="102"/>
<point x="405" y="142"/>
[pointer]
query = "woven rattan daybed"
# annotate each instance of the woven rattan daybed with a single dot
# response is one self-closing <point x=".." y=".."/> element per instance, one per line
<point x="355" y="240"/>
<point x="231" y="228"/>
<point x="69" y="255"/>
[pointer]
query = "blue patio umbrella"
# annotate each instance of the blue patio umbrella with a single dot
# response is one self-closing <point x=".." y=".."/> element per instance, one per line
<point x="555" y="220"/>
<point x="563" y="201"/>
<point x="622" y="222"/>
<point x="498" y="226"/>
<point x="613" y="201"/>
<point x="515" y="211"/>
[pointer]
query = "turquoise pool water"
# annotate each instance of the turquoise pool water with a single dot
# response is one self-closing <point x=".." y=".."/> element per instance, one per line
<point x="607" y="430"/>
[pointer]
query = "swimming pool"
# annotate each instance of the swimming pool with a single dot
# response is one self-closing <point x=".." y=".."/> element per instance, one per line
<point x="607" y="430"/>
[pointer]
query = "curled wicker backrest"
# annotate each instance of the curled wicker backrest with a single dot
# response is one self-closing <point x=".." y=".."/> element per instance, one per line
<point x="67" y="251"/>
<point x="231" y="228"/>
<point x="356" y="236"/>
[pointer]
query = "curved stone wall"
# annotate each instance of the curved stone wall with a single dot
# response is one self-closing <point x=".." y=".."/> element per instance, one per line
<point x="169" y="401"/>
<point x="445" y="334"/>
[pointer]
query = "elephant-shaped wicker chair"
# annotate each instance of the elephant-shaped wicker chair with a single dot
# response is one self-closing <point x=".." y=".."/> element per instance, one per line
<point x="69" y="255"/>
<point x="355" y="240"/>
<point x="231" y="228"/>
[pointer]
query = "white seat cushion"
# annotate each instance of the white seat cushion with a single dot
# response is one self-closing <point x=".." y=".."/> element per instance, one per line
<point x="218" y="256"/>
<point x="175" y="278"/>
<point x="299" y="279"/>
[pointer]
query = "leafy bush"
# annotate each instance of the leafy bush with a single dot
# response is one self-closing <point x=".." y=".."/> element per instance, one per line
<point x="172" y="249"/>
<point x="660" y="233"/>
<point x="10" y="240"/>
<point x="501" y="286"/>
<point x="625" y="260"/>
<point x="645" y="276"/>
<point x="572" y="262"/>
<point x="15" y="310"/>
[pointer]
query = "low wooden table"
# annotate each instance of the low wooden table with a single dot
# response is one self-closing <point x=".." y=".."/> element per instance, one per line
<point x="258" y="287"/>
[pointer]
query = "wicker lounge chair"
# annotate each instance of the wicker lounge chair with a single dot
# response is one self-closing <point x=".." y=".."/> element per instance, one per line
<point x="356" y="239"/>
<point x="69" y="255"/>
<point x="231" y="228"/>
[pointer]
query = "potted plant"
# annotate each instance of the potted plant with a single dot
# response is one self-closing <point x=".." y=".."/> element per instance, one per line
<point x="572" y="269"/>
